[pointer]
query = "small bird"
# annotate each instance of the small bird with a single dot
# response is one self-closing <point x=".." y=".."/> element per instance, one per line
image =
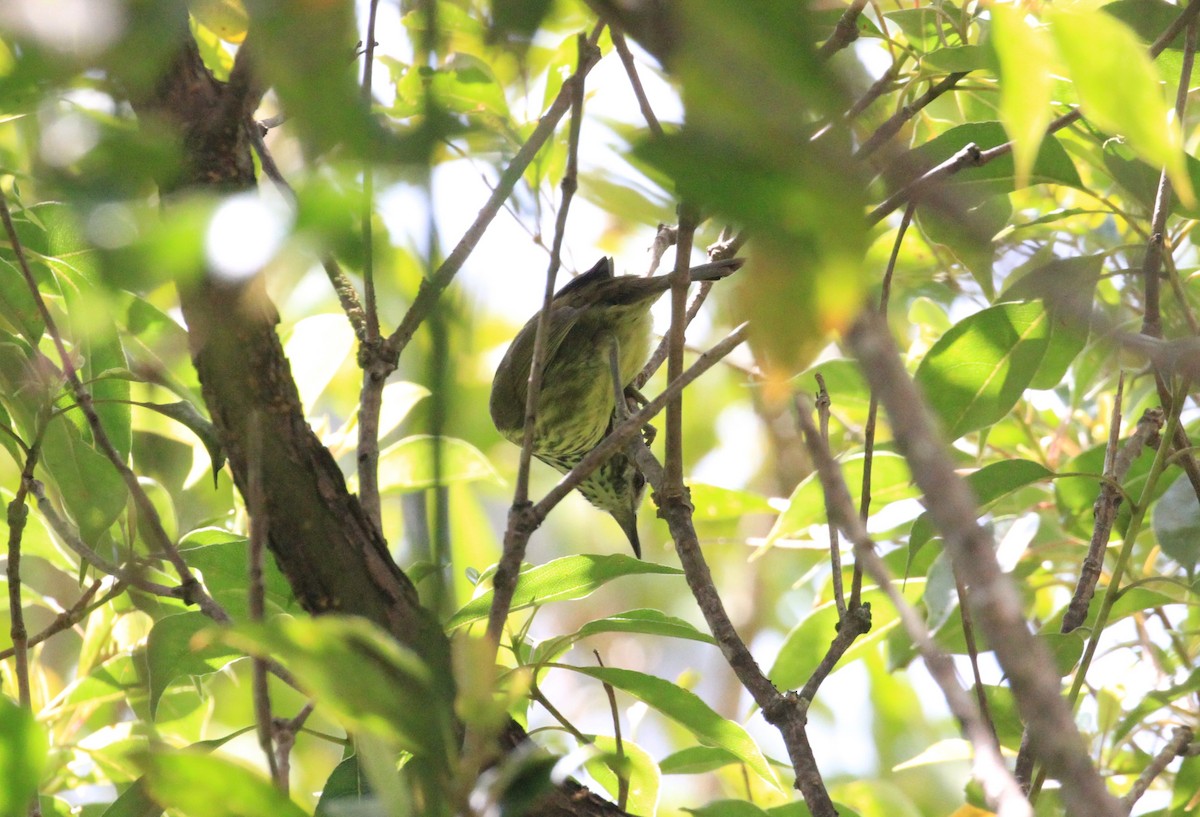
<point x="576" y="403"/>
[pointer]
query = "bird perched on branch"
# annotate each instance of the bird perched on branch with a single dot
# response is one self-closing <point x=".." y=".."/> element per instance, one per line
<point x="591" y="318"/>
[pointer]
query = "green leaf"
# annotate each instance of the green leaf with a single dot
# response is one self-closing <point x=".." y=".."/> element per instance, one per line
<point x="22" y="758"/>
<point x="805" y="645"/>
<point x="17" y="305"/>
<point x="957" y="58"/>
<point x="890" y="481"/>
<point x="690" y="711"/>
<point x="1026" y="86"/>
<point x="110" y="394"/>
<point x="729" y="808"/>
<point x="362" y="676"/>
<point x="222" y="558"/>
<point x="173" y="652"/>
<point x="1176" y="523"/>
<point x="637" y="766"/>
<point x="697" y="760"/>
<point x="186" y="414"/>
<point x="571" y="577"/>
<point x="1053" y="165"/>
<point x="91" y="489"/>
<point x="346" y="782"/>
<point x="989" y="483"/>
<point x="643" y="622"/>
<point x="408" y="465"/>
<point x="1066" y="286"/>
<point x="318" y="347"/>
<point x="1120" y="89"/>
<point x="135" y="801"/>
<point x="715" y="503"/>
<point x="1148" y="18"/>
<point x="204" y="785"/>
<point x="976" y="372"/>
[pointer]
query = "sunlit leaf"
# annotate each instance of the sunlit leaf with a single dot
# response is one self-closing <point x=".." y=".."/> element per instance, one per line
<point x="171" y="652"/>
<point x="690" y="711"/>
<point x="362" y="675"/>
<point x="22" y="757"/>
<point x="1119" y="88"/>
<point x="411" y="464"/>
<point x="1025" y="53"/>
<point x="976" y="372"/>
<point x="185" y="780"/>
<point x="571" y="577"/>
<point x="890" y="481"/>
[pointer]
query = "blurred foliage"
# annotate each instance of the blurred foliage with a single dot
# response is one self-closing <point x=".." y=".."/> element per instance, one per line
<point x="1003" y="296"/>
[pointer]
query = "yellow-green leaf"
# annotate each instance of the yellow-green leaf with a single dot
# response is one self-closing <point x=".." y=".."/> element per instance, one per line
<point x="1120" y="90"/>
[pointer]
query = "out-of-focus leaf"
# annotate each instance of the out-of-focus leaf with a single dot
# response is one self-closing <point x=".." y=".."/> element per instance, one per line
<point x="802" y="198"/>
<point x="408" y="465"/>
<point x="637" y="766"/>
<point x="1025" y="53"/>
<point x="713" y="502"/>
<point x="189" y="781"/>
<point x="926" y="26"/>
<point x="517" y="19"/>
<point x="225" y="18"/>
<point x="362" y="676"/>
<point x="571" y="577"/>
<point x="1120" y="89"/>
<point x="1148" y="18"/>
<point x="22" y="758"/>
<point x="976" y="373"/>
<point x="135" y="801"/>
<point x="957" y="58"/>
<point x="644" y="622"/>
<point x="1176" y="522"/>
<point x="318" y="346"/>
<point x="688" y="710"/>
<point x="346" y="782"/>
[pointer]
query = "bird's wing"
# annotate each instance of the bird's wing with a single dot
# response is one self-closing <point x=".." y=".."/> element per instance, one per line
<point x="509" y="387"/>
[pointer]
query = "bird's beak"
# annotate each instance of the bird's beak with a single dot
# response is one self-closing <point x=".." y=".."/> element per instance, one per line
<point x="629" y="525"/>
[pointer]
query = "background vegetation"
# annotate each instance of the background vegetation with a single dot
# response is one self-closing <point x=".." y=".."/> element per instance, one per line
<point x="970" y="281"/>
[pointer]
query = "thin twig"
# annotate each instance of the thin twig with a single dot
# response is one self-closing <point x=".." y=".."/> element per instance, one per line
<point x="71" y="616"/>
<point x="516" y="537"/>
<point x="1177" y="746"/>
<point x="885" y="294"/>
<point x="1000" y="789"/>
<point x="17" y="515"/>
<point x="785" y="711"/>
<point x="680" y="278"/>
<point x="256" y="506"/>
<point x="995" y="601"/>
<point x="835" y="544"/>
<point x="635" y="82"/>
<point x="844" y="32"/>
<point x="895" y="122"/>
<point x="622" y="775"/>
